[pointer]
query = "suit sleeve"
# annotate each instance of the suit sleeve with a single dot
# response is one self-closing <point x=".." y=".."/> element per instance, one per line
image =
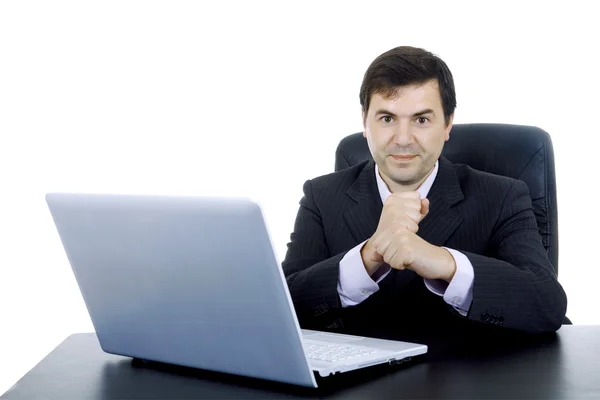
<point x="311" y="272"/>
<point x="517" y="287"/>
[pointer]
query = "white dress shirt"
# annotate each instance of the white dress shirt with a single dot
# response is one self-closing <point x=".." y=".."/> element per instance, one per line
<point x="355" y="285"/>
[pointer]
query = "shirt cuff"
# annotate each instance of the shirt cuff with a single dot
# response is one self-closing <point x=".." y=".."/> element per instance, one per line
<point x="459" y="292"/>
<point x="354" y="283"/>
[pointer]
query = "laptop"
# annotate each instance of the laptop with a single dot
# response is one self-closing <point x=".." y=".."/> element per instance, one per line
<point x="194" y="281"/>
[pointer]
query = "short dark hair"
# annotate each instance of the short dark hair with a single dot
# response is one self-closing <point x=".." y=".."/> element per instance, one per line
<point x="406" y="65"/>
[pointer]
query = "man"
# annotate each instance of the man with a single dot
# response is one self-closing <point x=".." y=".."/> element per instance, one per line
<point x="412" y="243"/>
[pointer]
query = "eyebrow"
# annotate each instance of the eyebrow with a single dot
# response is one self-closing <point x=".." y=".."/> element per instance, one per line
<point x="417" y="114"/>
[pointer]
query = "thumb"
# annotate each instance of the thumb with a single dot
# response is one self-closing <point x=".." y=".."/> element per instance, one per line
<point x="376" y="257"/>
<point x="424" y="207"/>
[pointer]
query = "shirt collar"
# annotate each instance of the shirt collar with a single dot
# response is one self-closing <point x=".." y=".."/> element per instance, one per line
<point x="423" y="190"/>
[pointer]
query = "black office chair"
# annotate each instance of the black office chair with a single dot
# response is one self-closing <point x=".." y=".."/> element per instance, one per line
<point x="520" y="152"/>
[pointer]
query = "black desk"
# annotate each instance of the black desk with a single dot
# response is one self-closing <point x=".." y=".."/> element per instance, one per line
<point x="565" y="365"/>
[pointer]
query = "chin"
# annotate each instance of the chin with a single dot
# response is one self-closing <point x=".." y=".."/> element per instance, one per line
<point x="405" y="176"/>
<point x="409" y="169"/>
<point x="405" y="180"/>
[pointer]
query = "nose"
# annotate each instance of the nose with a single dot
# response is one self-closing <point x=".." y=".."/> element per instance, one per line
<point x="402" y="135"/>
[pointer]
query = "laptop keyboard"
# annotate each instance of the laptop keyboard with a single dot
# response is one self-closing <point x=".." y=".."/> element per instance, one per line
<point x="334" y="352"/>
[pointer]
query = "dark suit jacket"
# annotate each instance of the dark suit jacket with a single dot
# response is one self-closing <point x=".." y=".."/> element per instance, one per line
<point x="487" y="217"/>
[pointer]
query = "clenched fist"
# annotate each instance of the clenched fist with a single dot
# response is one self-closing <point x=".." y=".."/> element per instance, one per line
<point x="396" y="242"/>
<point x="400" y="210"/>
<point x="403" y="209"/>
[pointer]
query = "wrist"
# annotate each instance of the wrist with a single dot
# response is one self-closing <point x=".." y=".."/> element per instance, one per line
<point x="449" y="266"/>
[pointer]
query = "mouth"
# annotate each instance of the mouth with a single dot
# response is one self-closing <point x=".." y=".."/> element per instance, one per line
<point x="403" y="157"/>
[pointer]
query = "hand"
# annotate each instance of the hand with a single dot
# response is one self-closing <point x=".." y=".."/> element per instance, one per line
<point x="403" y="209"/>
<point x="406" y="210"/>
<point x="403" y="249"/>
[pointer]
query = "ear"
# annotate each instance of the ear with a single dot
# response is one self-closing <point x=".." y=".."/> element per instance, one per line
<point x="364" y="120"/>
<point x="449" y="127"/>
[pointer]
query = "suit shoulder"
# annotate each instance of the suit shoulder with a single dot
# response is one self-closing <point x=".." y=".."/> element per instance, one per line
<point x="484" y="182"/>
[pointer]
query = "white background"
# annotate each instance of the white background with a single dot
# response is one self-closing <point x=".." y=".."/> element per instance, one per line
<point x="251" y="98"/>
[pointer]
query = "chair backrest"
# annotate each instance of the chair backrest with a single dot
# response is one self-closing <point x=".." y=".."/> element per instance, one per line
<point x="520" y="152"/>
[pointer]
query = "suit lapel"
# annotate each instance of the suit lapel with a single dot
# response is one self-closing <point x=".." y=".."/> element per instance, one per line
<point x="362" y="217"/>
<point x="442" y="220"/>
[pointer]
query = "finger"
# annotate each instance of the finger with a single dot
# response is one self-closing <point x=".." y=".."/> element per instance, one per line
<point x="400" y="207"/>
<point x="396" y="260"/>
<point x="390" y="256"/>
<point x="376" y="257"/>
<point x="413" y="215"/>
<point x="385" y="246"/>
<point x="407" y="198"/>
<point x="382" y="243"/>
<point x="406" y="195"/>
<point x="424" y="207"/>
<point x="404" y="223"/>
<point x="410" y="225"/>
<point x="369" y="251"/>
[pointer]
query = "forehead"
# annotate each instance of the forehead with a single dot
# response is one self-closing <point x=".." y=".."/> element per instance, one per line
<point x="406" y="99"/>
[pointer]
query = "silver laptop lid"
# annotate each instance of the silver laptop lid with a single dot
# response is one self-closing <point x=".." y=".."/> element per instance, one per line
<point x="183" y="280"/>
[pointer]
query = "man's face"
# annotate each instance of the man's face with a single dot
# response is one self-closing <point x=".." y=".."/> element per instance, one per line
<point x="406" y="133"/>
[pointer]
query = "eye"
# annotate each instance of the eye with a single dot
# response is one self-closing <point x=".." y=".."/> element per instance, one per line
<point x="422" y="120"/>
<point x="387" y="119"/>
